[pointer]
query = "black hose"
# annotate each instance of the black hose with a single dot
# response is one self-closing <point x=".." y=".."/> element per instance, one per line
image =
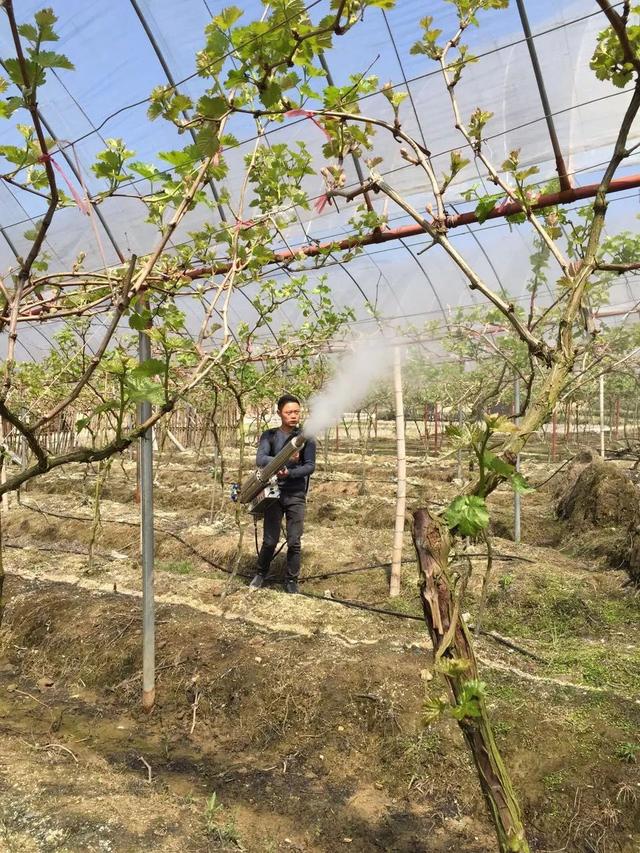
<point x="361" y="606"/>
<point x="325" y="575"/>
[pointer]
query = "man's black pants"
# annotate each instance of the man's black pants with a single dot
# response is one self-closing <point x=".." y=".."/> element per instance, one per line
<point x="292" y="507"/>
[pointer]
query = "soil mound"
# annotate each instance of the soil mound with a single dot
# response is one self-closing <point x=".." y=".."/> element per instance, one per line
<point x="630" y="561"/>
<point x="601" y="495"/>
<point x="560" y="485"/>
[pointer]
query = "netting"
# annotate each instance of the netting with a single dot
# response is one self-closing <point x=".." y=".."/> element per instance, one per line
<point x="118" y="64"/>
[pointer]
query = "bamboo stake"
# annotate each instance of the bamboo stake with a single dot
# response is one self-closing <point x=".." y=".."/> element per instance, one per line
<point x="460" y="422"/>
<point x="516" y="495"/>
<point x="602" y="453"/>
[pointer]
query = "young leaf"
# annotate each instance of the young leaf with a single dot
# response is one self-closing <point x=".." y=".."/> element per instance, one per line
<point x="207" y="142"/>
<point x="434" y="709"/>
<point x="485" y="206"/>
<point x="213" y="108"/>
<point x="467" y="514"/>
<point x="144" y="390"/>
<point x="499" y="466"/>
<point x="50" y="59"/>
<point x="139" y="320"/>
<point x="148" y="368"/>
<point x="520" y="485"/>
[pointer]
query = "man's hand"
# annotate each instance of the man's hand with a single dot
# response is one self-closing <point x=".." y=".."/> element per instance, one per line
<point x="295" y="457"/>
<point x="282" y="473"/>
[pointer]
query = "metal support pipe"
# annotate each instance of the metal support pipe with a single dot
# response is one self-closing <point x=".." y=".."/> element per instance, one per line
<point x="516" y="495"/>
<point x="602" y="453"/>
<point x="96" y="208"/>
<point x="356" y="160"/>
<point x="401" y="493"/>
<point x="146" y="541"/>
<point x="565" y="183"/>
<point x="170" y="79"/>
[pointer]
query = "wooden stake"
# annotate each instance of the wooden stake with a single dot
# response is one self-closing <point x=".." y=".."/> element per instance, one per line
<point x="602" y="416"/>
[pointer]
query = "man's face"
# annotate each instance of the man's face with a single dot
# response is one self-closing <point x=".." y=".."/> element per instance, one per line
<point x="290" y="415"/>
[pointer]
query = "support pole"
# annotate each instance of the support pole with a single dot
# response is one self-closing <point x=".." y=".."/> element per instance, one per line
<point x="460" y="451"/>
<point x="554" y="435"/>
<point x="602" y="454"/>
<point x="516" y="495"/>
<point x="146" y="541"/>
<point x="565" y="183"/>
<point x="435" y="427"/>
<point x="401" y="494"/>
<point x="4" y="429"/>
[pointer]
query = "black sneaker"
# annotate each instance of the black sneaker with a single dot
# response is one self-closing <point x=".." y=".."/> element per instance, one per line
<point x="291" y="587"/>
<point x="257" y="582"/>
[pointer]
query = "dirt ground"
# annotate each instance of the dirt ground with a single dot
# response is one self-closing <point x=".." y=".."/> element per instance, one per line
<point x="287" y="723"/>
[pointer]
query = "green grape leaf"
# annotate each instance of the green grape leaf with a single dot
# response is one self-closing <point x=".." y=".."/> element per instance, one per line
<point x="520" y="485"/>
<point x="468" y="514"/>
<point x="499" y="466"/>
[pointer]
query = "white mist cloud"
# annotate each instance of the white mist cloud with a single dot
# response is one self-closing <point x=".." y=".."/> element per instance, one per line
<point x="356" y="372"/>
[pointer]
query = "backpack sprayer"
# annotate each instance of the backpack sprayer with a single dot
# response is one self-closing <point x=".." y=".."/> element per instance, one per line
<point x="261" y="488"/>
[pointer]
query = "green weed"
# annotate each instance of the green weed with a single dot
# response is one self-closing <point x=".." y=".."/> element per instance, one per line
<point x="414" y="752"/>
<point x="218" y="826"/>
<point x="176" y="567"/>
<point x="600" y="666"/>
<point x="501" y="728"/>
<point x="627" y="752"/>
<point x="554" y="782"/>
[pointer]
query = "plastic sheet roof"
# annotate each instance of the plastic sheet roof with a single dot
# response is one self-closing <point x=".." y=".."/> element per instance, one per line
<point x="117" y="67"/>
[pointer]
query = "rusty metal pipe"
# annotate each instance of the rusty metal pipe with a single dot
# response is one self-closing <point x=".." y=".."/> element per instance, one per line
<point x="414" y="230"/>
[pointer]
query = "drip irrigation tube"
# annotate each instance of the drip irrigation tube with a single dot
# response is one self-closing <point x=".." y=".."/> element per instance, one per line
<point x="344" y="602"/>
<point x="362" y="606"/>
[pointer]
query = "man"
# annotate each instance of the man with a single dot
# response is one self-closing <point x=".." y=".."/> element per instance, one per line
<point x="293" y="482"/>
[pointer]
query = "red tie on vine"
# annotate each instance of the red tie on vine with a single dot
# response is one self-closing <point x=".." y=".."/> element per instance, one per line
<point x="308" y="114"/>
<point x="82" y="204"/>
<point x="321" y="202"/>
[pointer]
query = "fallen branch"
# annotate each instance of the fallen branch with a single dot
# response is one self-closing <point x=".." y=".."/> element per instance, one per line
<point x="194" y="705"/>
<point x="58" y="746"/>
<point x="147" y="765"/>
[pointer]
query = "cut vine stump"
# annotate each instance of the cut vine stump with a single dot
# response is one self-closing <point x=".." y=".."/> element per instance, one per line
<point x="454" y="657"/>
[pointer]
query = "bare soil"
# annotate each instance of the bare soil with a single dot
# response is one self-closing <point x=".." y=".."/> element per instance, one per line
<point x="301" y="715"/>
